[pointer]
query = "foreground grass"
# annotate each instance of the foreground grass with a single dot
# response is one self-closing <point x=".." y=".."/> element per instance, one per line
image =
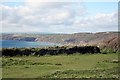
<point x="61" y="66"/>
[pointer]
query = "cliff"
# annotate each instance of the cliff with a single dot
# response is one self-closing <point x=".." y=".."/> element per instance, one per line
<point x="101" y="39"/>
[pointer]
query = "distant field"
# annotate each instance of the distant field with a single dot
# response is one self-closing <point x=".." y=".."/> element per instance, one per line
<point x="62" y="66"/>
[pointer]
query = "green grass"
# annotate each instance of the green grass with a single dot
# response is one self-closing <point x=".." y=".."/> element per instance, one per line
<point x="61" y="66"/>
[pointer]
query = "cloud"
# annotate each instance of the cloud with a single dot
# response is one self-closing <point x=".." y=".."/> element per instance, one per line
<point x="59" y="17"/>
<point x="99" y="22"/>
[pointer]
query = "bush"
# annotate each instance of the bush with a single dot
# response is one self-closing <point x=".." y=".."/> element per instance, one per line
<point x="49" y="51"/>
<point x="107" y="50"/>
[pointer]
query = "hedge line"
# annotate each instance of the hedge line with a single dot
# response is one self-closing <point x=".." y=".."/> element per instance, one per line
<point x="51" y="51"/>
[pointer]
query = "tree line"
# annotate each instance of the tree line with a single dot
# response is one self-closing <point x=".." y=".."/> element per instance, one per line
<point x="50" y="51"/>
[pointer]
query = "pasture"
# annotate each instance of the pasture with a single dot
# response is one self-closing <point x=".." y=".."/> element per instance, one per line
<point x="61" y="66"/>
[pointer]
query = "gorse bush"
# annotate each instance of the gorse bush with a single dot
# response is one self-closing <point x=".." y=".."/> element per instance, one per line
<point x="50" y="51"/>
<point x="107" y="50"/>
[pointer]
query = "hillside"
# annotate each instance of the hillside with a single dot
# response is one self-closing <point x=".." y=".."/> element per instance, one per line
<point x="101" y="39"/>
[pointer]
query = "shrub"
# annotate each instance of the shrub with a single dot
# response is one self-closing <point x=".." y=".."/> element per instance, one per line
<point x="50" y="51"/>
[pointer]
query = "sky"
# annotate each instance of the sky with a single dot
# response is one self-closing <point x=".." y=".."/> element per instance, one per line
<point x="58" y="17"/>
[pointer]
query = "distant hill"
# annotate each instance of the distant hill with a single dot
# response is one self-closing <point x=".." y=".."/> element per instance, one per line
<point x="101" y="39"/>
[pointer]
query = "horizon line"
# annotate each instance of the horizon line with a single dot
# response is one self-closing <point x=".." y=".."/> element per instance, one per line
<point x="55" y="32"/>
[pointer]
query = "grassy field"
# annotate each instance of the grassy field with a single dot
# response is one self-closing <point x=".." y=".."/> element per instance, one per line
<point x="61" y="66"/>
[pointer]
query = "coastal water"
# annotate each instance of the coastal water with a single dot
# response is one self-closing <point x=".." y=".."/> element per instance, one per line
<point x="22" y="44"/>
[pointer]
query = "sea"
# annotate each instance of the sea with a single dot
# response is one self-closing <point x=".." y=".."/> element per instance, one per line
<point x="24" y="44"/>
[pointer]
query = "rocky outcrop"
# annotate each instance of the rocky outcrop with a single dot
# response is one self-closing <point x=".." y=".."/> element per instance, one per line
<point x="26" y="39"/>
